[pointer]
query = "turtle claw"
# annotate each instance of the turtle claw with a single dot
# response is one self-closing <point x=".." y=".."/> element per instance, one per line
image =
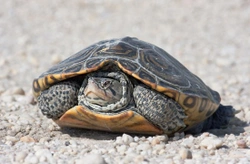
<point x="236" y="111"/>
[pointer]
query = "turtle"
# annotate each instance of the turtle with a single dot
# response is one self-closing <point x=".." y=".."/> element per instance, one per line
<point x="128" y="85"/>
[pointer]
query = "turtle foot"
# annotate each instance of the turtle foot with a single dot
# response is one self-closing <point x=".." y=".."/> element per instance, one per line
<point x="56" y="100"/>
<point x="162" y="111"/>
<point x="219" y="120"/>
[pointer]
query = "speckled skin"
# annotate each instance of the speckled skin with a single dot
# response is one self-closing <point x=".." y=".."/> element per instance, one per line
<point x="59" y="98"/>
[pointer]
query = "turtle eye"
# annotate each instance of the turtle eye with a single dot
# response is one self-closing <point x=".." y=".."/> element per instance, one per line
<point x="105" y="84"/>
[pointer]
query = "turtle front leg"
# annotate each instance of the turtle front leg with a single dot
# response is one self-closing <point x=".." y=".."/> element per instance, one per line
<point x="159" y="109"/>
<point x="59" y="98"/>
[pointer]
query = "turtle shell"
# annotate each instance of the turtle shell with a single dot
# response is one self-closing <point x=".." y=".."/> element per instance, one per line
<point x="145" y="62"/>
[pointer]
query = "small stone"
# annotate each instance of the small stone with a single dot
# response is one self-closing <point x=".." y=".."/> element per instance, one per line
<point x="155" y="141"/>
<point x="158" y="139"/>
<point x="205" y="134"/>
<point x="38" y="147"/>
<point x="188" y="143"/>
<point x="159" y="147"/>
<point x="119" y="140"/>
<point x="121" y="149"/>
<point x="247" y="116"/>
<point x="248" y="139"/>
<point x="162" y="151"/>
<point x="128" y="158"/>
<point x="31" y="158"/>
<point x="27" y="139"/>
<point x="44" y="155"/>
<point x="9" y="143"/>
<point x="248" y="152"/>
<point x="73" y="143"/>
<point x="231" y="137"/>
<point x="12" y="139"/>
<point x="136" y="139"/>
<point x="139" y="159"/>
<point x="91" y="159"/>
<point x="56" y="59"/>
<point x="14" y="91"/>
<point x="133" y="144"/>
<point x="211" y="143"/>
<point x="185" y="153"/>
<point x="241" y="144"/>
<point x="65" y="136"/>
<point x="67" y="143"/>
<point x="211" y="152"/>
<point x="198" y="155"/>
<point x="103" y="151"/>
<point x="20" y="156"/>
<point x="44" y="139"/>
<point x="127" y="139"/>
<point x="112" y="151"/>
<point x="25" y="99"/>
<point x="143" y="147"/>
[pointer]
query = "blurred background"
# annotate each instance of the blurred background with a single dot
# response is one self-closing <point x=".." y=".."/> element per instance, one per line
<point x="211" y="38"/>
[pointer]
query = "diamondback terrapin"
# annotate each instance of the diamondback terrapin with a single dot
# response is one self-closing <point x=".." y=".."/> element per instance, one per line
<point x="128" y="85"/>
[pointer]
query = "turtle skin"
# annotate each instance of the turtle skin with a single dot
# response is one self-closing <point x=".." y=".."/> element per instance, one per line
<point x="145" y="64"/>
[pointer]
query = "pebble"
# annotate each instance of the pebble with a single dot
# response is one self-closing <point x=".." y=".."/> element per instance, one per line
<point x="231" y="137"/>
<point x="91" y="159"/>
<point x="136" y="139"/>
<point x="44" y="139"/>
<point x="119" y="140"/>
<point x="27" y="139"/>
<point x="211" y="143"/>
<point x="67" y="143"/>
<point x="247" y="117"/>
<point x="121" y="149"/>
<point x="112" y="151"/>
<point x="56" y="59"/>
<point x="188" y="143"/>
<point x="14" y="91"/>
<point x="11" y="138"/>
<point x="241" y="144"/>
<point x="198" y="155"/>
<point x="248" y="139"/>
<point x="44" y="155"/>
<point x="25" y="99"/>
<point x="20" y="156"/>
<point x="155" y="141"/>
<point x="139" y="159"/>
<point x="142" y="147"/>
<point x="126" y="139"/>
<point x="185" y="153"/>
<point x="159" y="139"/>
<point x="133" y="144"/>
<point x="31" y="158"/>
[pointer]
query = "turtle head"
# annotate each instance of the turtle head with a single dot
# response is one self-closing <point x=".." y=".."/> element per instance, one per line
<point x="103" y="91"/>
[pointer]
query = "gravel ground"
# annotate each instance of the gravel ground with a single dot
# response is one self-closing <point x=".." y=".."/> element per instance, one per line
<point x="211" y="38"/>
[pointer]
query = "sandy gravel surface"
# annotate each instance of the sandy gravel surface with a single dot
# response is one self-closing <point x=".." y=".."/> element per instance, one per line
<point x="211" y="38"/>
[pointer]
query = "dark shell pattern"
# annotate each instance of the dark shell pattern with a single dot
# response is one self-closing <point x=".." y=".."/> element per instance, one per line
<point x="145" y="62"/>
